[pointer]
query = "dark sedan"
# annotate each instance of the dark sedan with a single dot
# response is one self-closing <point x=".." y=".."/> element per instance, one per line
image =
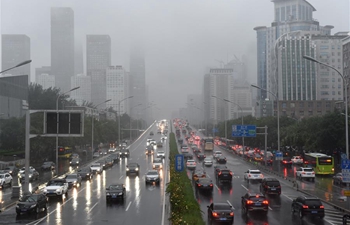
<point x="85" y="174"/>
<point x="31" y="203"/>
<point x="220" y="212"/>
<point x="74" y="162"/>
<point x="132" y="168"/>
<point x="204" y="184"/>
<point x="201" y="156"/>
<point x="115" y="191"/>
<point x="287" y="162"/>
<point x="254" y="202"/>
<point x="221" y="159"/>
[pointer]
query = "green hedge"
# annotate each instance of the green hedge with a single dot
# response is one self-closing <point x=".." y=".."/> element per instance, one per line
<point x="184" y="206"/>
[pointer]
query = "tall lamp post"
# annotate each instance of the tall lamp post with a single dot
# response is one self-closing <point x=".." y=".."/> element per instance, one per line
<point x="92" y="127"/>
<point x="120" y="116"/>
<point x="226" y="100"/>
<point x="130" y="118"/>
<point x="225" y="117"/>
<point x="57" y="124"/>
<point x="18" y="65"/>
<point x="278" y="115"/>
<point x="345" y="84"/>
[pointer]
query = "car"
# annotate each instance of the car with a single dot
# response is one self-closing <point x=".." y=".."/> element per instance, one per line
<point x="124" y="153"/>
<point x="33" y="175"/>
<point x="338" y="179"/>
<point x="253" y="175"/>
<point x="287" y="162"/>
<point x="160" y="154"/>
<point x="297" y="160"/>
<point x="187" y="155"/>
<point x="220" y="212"/>
<point x="111" y="150"/>
<point x="115" y="192"/>
<point x="85" y="173"/>
<point x="31" y="203"/>
<point x="96" y="155"/>
<point x="56" y="187"/>
<point x="191" y="164"/>
<point x="208" y="161"/>
<point x="103" y="152"/>
<point x="12" y="170"/>
<point x="270" y="186"/>
<point x="201" y="156"/>
<point x="204" y="184"/>
<point x="5" y="179"/>
<point x="305" y="173"/>
<point x="115" y="157"/>
<point x="74" y="155"/>
<point x="153" y="142"/>
<point x="96" y="167"/>
<point x="159" y="131"/>
<point x="103" y="164"/>
<point x="48" y="165"/>
<point x="196" y="150"/>
<point x="73" y="180"/>
<point x="149" y="150"/>
<point x="24" y="169"/>
<point x="218" y="168"/>
<point x="221" y="159"/>
<point x="157" y="163"/>
<point x="308" y="206"/>
<point x="198" y="173"/>
<point x="254" y="202"/>
<point x="151" y="133"/>
<point x="184" y="149"/>
<point x="159" y="144"/>
<point x="133" y="168"/>
<point x="74" y="162"/>
<point x="258" y="158"/>
<point x="180" y="141"/>
<point x="217" y="154"/>
<point x="152" y="176"/>
<point x="224" y="175"/>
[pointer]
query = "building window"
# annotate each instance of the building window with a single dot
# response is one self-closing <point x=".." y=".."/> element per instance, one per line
<point x="284" y="105"/>
<point x="301" y="104"/>
<point x="301" y="113"/>
<point x="310" y="104"/>
<point x="310" y="113"/>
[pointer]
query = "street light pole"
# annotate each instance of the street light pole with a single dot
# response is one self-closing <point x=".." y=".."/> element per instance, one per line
<point x="120" y="101"/>
<point x="92" y="127"/>
<point x="131" y="120"/>
<point x="278" y="115"/>
<point x="18" y="65"/>
<point x="345" y="84"/>
<point x="225" y="117"/>
<point x="57" y="124"/>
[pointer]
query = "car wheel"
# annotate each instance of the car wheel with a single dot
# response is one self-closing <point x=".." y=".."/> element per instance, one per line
<point x="292" y="210"/>
<point x="300" y="214"/>
<point x="45" y="207"/>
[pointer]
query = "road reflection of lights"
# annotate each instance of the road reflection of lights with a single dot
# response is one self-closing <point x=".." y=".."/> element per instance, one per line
<point x="104" y="178"/>
<point x="327" y="196"/>
<point x="58" y="210"/>
<point x="75" y="196"/>
<point x="294" y="171"/>
<point x="137" y="193"/>
<point x="285" y="172"/>
<point x="127" y="183"/>
<point x="1" y="201"/>
<point x="99" y="178"/>
<point x="71" y="169"/>
<point x="88" y="194"/>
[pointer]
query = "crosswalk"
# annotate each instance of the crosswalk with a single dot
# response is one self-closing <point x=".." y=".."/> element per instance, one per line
<point x="334" y="216"/>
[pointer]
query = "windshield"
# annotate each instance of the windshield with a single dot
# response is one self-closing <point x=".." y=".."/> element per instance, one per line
<point x="116" y="187"/>
<point x="71" y="176"/>
<point x="31" y="198"/>
<point x="152" y="173"/>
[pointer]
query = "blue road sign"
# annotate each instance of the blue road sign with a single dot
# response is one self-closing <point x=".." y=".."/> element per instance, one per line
<point x="279" y="155"/>
<point x="243" y="130"/>
<point x="345" y="170"/>
<point x="343" y="156"/>
<point x="179" y="162"/>
<point x="215" y="130"/>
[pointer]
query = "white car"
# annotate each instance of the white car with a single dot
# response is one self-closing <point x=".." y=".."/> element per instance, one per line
<point x="5" y="179"/>
<point x="23" y="169"/>
<point x="191" y="164"/>
<point x="217" y="154"/>
<point x="305" y="173"/>
<point x="157" y="163"/>
<point x="208" y="161"/>
<point x="112" y="150"/>
<point x="160" y="154"/>
<point x="297" y="160"/>
<point x="253" y="175"/>
<point x="56" y="188"/>
<point x="96" y="168"/>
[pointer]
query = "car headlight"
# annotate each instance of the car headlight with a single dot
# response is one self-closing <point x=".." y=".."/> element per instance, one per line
<point x="120" y="193"/>
<point x="17" y="206"/>
<point x="108" y="193"/>
<point x="127" y="169"/>
<point x="87" y="174"/>
<point x="32" y="206"/>
<point x="137" y="169"/>
<point x="58" y="190"/>
<point x="30" y="176"/>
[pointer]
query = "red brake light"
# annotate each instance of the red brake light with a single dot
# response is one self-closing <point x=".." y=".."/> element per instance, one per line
<point x="231" y="214"/>
<point x="249" y="175"/>
<point x="284" y="161"/>
<point x="231" y="173"/>
<point x="249" y="202"/>
<point x="211" y="185"/>
<point x="305" y="207"/>
<point x="215" y="214"/>
<point x="265" y="202"/>
<point x="220" y="173"/>
<point x="321" y="207"/>
<point x="199" y="185"/>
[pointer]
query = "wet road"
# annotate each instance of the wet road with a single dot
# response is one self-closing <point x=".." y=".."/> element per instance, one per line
<point x="279" y="211"/>
<point x="87" y="204"/>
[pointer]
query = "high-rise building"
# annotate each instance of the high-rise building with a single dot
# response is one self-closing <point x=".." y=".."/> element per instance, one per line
<point x="98" y="59"/>
<point x="43" y="70"/>
<point x="117" y="89"/>
<point x="62" y="46"/>
<point x="83" y="94"/>
<point x="15" y="49"/>
<point x="78" y="59"/>
<point x="292" y="17"/>
<point x="45" y="80"/>
<point x="346" y="64"/>
<point x="138" y="83"/>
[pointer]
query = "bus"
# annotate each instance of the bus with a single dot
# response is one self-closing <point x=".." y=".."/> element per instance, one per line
<point x="64" y="152"/>
<point x="208" y="144"/>
<point x="323" y="164"/>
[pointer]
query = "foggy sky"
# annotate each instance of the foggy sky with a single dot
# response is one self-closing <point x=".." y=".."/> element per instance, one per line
<point x="181" y="38"/>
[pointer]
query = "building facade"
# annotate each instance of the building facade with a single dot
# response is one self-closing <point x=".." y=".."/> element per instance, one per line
<point x="62" y="46"/>
<point x="83" y="94"/>
<point x="98" y="59"/>
<point x="346" y="62"/>
<point x="15" y="49"/>
<point x="45" y="80"/>
<point x="117" y="89"/>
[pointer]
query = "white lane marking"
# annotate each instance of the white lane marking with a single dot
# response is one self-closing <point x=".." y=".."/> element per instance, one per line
<point x="121" y="177"/>
<point x="328" y="221"/>
<point x="287" y="197"/>
<point x="127" y="208"/>
<point x="244" y="187"/>
<point x="60" y="206"/>
<point x="216" y="186"/>
<point x="270" y="208"/>
<point x="93" y="207"/>
<point x="231" y="205"/>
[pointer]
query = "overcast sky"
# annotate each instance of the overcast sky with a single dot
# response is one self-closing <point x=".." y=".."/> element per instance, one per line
<point x="181" y="38"/>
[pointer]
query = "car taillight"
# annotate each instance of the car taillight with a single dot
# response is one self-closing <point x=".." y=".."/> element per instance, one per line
<point x="231" y="173"/>
<point x="313" y="172"/>
<point x="302" y="172"/>
<point x="249" y="175"/>
<point x="215" y="214"/>
<point x="265" y="202"/>
<point x="321" y="207"/>
<point x="249" y="202"/>
<point x="332" y="169"/>
<point x="199" y="185"/>
<point x="266" y="186"/>
<point x="211" y="185"/>
<point x="220" y="173"/>
<point x="305" y="207"/>
<point x="231" y="214"/>
<point x="284" y="161"/>
<point x="261" y="175"/>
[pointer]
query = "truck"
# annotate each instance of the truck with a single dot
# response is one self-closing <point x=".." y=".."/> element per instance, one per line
<point x="208" y="144"/>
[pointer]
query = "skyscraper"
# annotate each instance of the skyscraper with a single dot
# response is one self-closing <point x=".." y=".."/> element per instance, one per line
<point x="15" y="49"/>
<point x="98" y="59"/>
<point x="138" y="82"/>
<point x="62" y="46"/>
<point x="83" y="94"/>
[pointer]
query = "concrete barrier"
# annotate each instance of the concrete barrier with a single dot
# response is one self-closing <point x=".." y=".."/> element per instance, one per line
<point x="16" y="192"/>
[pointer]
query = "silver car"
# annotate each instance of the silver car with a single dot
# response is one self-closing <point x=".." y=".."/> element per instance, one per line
<point x="208" y="161"/>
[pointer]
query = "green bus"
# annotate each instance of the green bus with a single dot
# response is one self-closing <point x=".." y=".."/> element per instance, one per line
<point x="323" y="164"/>
<point x="64" y="152"/>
